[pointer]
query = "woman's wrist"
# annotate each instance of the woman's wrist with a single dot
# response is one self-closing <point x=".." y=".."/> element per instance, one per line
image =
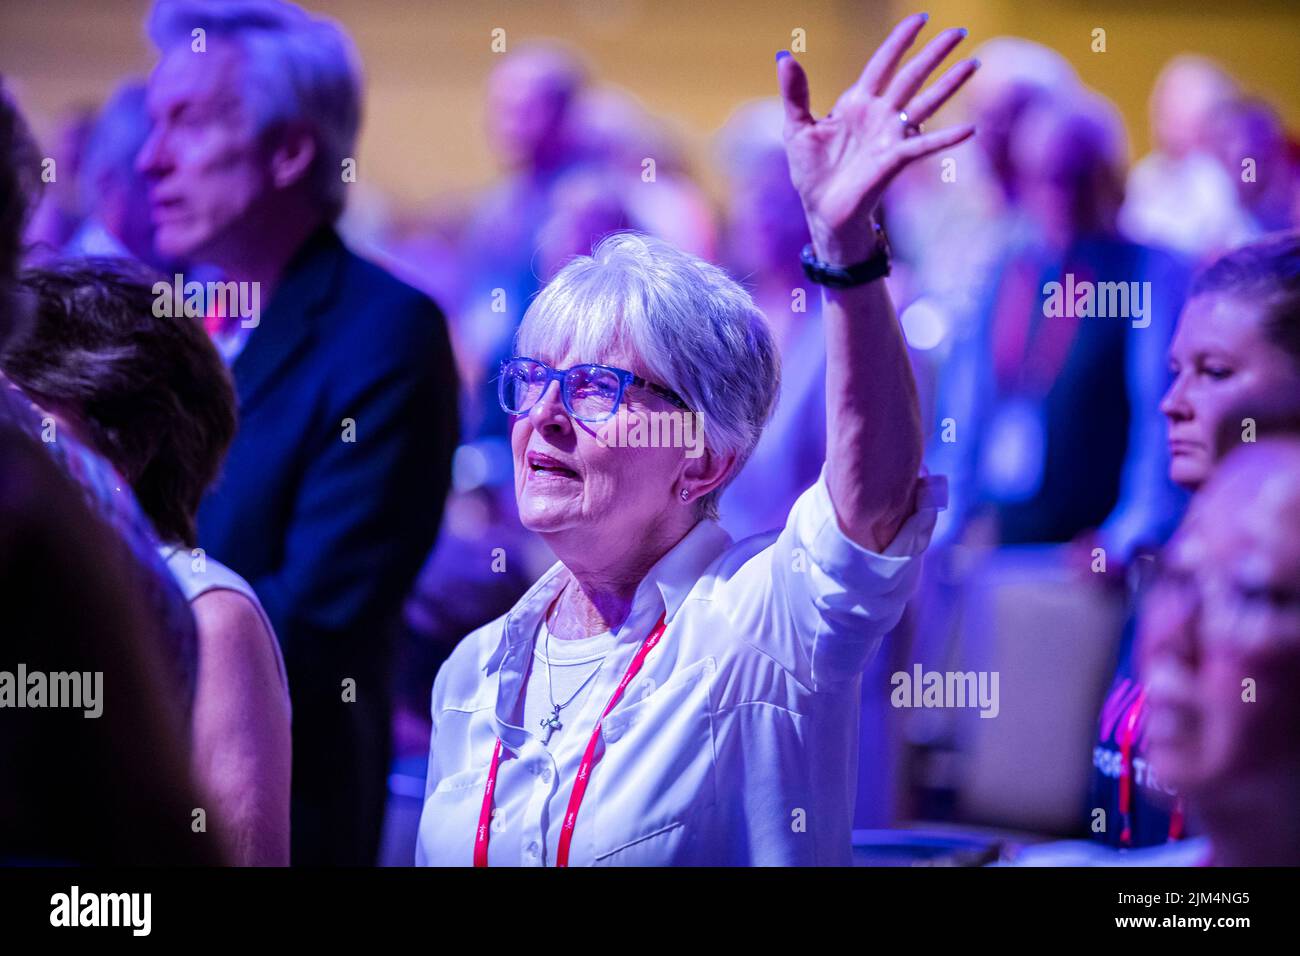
<point x="845" y="246"/>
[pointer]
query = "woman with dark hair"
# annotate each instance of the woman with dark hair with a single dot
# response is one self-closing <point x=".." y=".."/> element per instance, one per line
<point x="1235" y="361"/>
<point x="152" y="395"/>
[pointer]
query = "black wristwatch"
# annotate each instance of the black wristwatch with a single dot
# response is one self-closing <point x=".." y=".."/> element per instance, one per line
<point x="846" y="277"/>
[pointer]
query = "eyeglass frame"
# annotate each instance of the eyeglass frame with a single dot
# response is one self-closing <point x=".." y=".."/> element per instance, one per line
<point x="625" y="378"/>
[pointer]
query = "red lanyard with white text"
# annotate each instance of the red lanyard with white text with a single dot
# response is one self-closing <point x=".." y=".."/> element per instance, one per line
<point x="584" y="768"/>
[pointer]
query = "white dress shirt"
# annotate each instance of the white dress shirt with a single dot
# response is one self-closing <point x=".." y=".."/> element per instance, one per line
<point x="737" y="742"/>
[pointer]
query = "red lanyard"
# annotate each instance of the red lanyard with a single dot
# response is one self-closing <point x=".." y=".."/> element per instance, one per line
<point x="1126" y="812"/>
<point x="584" y="768"/>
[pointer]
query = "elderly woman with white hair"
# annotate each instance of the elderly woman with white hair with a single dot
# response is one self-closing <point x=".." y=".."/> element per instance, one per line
<point x="663" y="695"/>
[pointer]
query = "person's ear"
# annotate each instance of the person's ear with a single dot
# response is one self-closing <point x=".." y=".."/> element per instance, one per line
<point x="292" y="156"/>
<point x="705" y="472"/>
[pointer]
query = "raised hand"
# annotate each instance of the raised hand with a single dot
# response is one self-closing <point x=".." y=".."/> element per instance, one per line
<point x="841" y="163"/>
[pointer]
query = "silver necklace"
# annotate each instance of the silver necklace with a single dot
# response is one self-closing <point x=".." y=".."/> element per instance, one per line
<point x="551" y="722"/>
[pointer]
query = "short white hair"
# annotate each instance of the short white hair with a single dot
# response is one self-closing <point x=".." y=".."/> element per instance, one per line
<point x="691" y="326"/>
<point x="300" y="68"/>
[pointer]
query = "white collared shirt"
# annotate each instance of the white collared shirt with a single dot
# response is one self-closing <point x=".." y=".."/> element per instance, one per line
<point x="737" y="742"/>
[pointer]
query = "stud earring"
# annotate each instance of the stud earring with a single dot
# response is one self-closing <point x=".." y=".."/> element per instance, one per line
<point x="685" y="494"/>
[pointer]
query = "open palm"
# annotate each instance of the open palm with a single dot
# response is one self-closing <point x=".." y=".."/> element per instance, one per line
<point x="842" y="163"/>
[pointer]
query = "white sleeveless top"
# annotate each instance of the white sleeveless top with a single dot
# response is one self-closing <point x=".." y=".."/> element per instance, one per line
<point x="215" y="576"/>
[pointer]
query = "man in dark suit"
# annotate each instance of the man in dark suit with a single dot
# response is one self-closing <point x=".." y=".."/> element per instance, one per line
<point x="334" y="488"/>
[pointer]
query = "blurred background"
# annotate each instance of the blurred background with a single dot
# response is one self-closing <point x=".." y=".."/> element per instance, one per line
<point x="690" y="62"/>
<point x="1113" y="143"/>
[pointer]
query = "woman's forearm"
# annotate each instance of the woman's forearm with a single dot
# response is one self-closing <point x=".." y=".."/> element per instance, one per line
<point x="841" y="166"/>
<point x="251" y="807"/>
<point x="873" y="418"/>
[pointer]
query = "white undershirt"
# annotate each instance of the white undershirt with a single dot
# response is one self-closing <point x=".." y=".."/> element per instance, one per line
<point x="571" y="663"/>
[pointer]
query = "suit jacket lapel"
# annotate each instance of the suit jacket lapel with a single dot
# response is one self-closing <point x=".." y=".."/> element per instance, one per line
<point x="287" y="326"/>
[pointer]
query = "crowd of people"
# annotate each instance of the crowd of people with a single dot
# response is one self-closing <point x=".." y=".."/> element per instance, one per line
<point x="277" y="523"/>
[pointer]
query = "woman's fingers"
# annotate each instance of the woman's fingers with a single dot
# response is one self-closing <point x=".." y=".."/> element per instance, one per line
<point x="915" y="147"/>
<point x="912" y="77"/>
<point x="794" y="91"/>
<point x="928" y="103"/>
<point x="885" y="60"/>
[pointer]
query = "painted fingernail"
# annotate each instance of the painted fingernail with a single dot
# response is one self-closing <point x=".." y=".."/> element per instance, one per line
<point x="964" y="32"/>
<point x="975" y="64"/>
<point x="925" y="18"/>
<point x="780" y="54"/>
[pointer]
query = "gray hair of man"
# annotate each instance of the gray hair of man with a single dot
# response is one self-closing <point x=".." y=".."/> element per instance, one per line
<point x="299" y="68"/>
<point x="690" y="326"/>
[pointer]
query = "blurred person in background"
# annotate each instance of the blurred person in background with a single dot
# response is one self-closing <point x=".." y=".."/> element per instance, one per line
<point x="951" y="225"/>
<point x="152" y="395"/>
<point x="113" y="193"/>
<point x="1249" y="141"/>
<point x="334" y="486"/>
<point x="1014" y="74"/>
<point x="1050" y="432"/>
<point x="952" y="229"/>
<point x="530" y="100"/>
<point x="588" y="205"/>
<point x="1220" y="656"/>
<point x="766" y="232"/>
<point x="59" y="211"/>
<point x="612" y="130"/>
<point x="1178" y="196"/>
<point x="1235" y="356"/>
<point x="1049" y="420"/>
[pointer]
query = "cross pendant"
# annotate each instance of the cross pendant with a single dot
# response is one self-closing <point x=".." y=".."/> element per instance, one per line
<point x="549" y="723"/>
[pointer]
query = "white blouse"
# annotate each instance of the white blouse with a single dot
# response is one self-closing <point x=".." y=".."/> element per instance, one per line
<point x="737" y="742"/>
